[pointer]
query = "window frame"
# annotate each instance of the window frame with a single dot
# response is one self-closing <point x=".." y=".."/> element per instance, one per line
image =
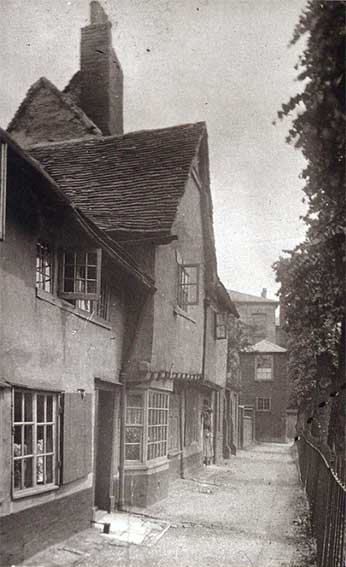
<point x="36" y="455"/>
<point x="220" y="326"/>
<point x="140" y="425"/>
<point x="271" y="368"/>
<point x="184" y="285"/>
<point x="3" y="187"/>
<point x="262" y="409"/>
<point x="80" y="295"/>
<point x="46" y="246"/>
<point x="146" y="425"/>
<point x="159" y="424"/>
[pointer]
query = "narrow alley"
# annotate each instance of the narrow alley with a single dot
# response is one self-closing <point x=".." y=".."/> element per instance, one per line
<point x="243" y="513"/>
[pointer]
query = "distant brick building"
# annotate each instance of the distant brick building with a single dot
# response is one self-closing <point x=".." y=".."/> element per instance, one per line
<point x="257" y="313"/>
<point x="264" y="382"/>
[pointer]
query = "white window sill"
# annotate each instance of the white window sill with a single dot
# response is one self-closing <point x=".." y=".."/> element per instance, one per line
<point x="34" y="491"/>
<point x="65" y="306"/>
<point x="179" y="311"/>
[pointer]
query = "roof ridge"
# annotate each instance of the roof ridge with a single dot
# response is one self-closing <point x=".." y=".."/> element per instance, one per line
<point x="65" y="98"/>
<point x="113" y="136"/>
<point x="258" y="297"/>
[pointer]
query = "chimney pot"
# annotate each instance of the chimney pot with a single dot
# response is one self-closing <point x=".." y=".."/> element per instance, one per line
<point x="264" y="293"/>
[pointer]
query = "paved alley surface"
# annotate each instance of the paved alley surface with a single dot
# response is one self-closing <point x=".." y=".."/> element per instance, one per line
<point x="242" y="514"/>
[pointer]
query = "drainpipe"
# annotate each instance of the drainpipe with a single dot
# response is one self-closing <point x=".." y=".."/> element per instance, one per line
<point x="121" y="494"/>
<point x="206" y="303"/>
<point x="181" y="418"/>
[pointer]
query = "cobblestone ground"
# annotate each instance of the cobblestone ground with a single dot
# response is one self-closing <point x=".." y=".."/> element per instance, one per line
<point x="241" y="514"/>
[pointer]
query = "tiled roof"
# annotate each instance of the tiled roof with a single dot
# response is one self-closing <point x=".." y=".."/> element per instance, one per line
<point x="266" y="346"/>
<point x="131" y="183"/>
<point x="239" y="297"/>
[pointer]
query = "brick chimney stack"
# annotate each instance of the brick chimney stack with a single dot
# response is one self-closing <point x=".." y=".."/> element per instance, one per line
<point x="264" y="293"/>
<point x="101" y="74"/>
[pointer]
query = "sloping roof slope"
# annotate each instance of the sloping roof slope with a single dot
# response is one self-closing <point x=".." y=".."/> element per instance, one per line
<point x="128" y="183"/>
<point x="266" y="346"/>
<point x="48" y="114"/>
<point x="239" y="297"/>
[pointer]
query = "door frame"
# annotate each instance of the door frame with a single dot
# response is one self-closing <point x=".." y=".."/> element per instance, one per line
<point x="114" y="387"/>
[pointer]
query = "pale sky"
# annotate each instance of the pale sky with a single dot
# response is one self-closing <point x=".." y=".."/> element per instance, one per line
<point x="225" y="62"/>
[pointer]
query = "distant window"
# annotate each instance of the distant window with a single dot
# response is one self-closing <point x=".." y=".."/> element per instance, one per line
<point x="258" y="324"/>
<point x="188" y="285"/>
<point x="44" y="266"/>
<point x="35" y="441"/>
<point x="263" y="404"/>
<point x="3" y="188"/>
<point x="264" y="367"/>
<point x="220" y="325"/>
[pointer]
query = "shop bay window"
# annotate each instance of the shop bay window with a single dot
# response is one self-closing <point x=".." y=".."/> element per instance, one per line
<point x="34" y="440"/>
<point x="134" y="427"/>
<point x="146" y="435"/>
<point x="157" y="425"/>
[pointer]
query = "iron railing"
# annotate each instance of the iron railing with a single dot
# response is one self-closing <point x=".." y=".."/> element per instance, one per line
<point x="325" y="486"/>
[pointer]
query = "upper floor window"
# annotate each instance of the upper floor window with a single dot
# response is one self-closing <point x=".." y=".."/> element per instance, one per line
<point x="101" y="307"/>
<point x="35" y="440"/>
<point x="81" y="274"/>
<point x="220" y="325"/>
<point x="188" y="285"/>
<point x="264" y="367"/>
<point x="3" y="187"/>
<point x="44" y="266"/>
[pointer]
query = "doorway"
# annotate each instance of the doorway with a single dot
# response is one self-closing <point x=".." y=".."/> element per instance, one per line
<point x="104" y="448"/>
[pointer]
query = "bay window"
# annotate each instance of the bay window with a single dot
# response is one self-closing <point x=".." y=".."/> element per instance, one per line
<point x="146" y="436"/>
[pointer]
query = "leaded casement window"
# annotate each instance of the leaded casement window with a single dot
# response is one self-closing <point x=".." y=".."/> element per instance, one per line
<point x="157" y="425"/>
<point x="35" y="440"/>
<point x="188" y="285"/>
<point x="146" y="436"/>
<point x="220" y="325"/>
<point x="3" y="188"/>
<point x="263" y="404"/>
<point x="264" y="367"/>
<point x="81" y="275"/>
<point x="134" y="427"/>
<point x="44" y="266"/>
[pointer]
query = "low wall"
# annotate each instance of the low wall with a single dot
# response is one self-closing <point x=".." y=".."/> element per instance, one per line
<point x="27" y="532"/>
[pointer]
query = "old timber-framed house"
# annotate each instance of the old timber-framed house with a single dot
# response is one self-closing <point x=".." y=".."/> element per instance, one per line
<point x="163" y="354"/>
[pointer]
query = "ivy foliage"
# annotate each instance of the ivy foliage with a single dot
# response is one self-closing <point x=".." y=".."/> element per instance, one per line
<point x="312" y="276"/>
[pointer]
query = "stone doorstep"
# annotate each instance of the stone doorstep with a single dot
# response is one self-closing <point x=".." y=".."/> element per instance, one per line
<point x="130" y="528"/>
